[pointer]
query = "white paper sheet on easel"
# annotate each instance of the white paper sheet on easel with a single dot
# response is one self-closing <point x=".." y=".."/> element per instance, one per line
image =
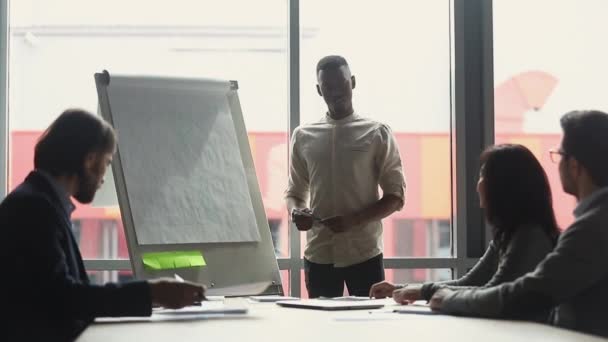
<point x="181" y="161"/>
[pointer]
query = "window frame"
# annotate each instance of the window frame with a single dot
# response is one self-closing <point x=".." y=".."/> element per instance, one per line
<point x="472" y="120"/>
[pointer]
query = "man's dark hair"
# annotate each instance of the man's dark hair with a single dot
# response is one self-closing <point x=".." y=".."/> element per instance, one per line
<point x="518" y="195"/>
<point x="63" y="147"/>
<point x="331" y="62"/>
<point x="586" y="140"/>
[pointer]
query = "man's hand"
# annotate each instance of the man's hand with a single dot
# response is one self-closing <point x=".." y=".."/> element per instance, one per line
<point x="408" y="294"/>
<point x="302" y="218"/>
<point x="437" y="299"/>
<point x="382" y="289"/>
<point x="172" y="294"/>
<point x="339" y="224"/>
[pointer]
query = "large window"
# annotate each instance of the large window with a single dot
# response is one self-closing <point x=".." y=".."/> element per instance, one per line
<point x="56" y="47"/>
<point x="400" y="51"/>
<point x="549" y="58"/>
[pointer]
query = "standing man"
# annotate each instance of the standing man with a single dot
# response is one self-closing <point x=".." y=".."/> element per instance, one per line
<point x="573" y="279"/>
<point x="46" y="290"/>
<point x="336" y="167"/>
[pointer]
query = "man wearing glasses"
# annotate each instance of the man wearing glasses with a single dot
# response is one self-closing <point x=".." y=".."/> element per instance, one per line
<point x="573" y="278"/>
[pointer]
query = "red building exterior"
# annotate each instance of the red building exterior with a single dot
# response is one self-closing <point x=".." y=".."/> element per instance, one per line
<point x="426" y="160"/>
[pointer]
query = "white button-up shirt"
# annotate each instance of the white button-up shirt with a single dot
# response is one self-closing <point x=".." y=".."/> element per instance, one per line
<point x="338" y="165"/>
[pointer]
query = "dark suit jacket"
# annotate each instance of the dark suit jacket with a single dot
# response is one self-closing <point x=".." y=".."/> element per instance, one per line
<point x="573" y="279"/>
<point x="45" y="289"/>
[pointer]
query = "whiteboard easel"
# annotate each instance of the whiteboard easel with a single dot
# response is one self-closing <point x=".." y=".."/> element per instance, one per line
<point x="228" y="264"/>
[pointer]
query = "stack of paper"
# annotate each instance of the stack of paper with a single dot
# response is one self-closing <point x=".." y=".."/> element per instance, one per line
<point x="271" y="299"/>
<point x="204" y="311"/>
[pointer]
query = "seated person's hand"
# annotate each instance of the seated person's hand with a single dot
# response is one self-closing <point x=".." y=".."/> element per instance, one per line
<point x="437" y="300"/>
<point x="172" y="294"/>
<point x="302" y="218"/>
<point x="382" y="289"/>
<point x="408" y="294"/>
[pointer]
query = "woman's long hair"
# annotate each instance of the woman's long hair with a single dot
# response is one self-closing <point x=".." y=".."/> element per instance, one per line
<point x="517" y="192"/>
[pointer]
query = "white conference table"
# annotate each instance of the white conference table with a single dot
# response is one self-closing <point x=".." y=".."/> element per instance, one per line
<point x="268" y="322"/>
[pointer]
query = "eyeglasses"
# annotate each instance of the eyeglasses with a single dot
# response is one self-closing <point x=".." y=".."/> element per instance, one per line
<point x="557" y="155"/>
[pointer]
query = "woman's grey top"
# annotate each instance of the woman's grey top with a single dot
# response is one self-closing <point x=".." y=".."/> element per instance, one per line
<point x="572" y="279"/>
<point x="527" y="248"/>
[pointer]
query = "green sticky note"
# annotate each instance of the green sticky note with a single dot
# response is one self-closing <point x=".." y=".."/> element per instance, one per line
<point x="171" y="260"/>
<point x="197" y="261"/>
<point x="166" y="262"/>
<point x="194" y="258"/>
<point x="151" y="263"/>
<point x="182" y="261"/>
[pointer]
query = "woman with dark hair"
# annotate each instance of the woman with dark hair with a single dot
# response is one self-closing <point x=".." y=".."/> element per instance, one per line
<point x="515" y="195"/>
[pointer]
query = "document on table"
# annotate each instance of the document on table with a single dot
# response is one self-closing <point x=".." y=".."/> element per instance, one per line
<point x="208" y="308"/>
<point x="322" y="304"/>
<point x="205" y="310"/>
<point x="350" y="299"/>
<point x="251" y="289"/>
<point x="271" y="299"/>
<point x="417" y="308"/>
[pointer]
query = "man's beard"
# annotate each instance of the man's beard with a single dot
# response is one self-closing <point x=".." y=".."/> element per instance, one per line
<point x="87" y="187"/>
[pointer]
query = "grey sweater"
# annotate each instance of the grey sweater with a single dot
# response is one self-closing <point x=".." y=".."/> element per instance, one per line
<point x="528" y="246"/>
<point x="573" y="279"/>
